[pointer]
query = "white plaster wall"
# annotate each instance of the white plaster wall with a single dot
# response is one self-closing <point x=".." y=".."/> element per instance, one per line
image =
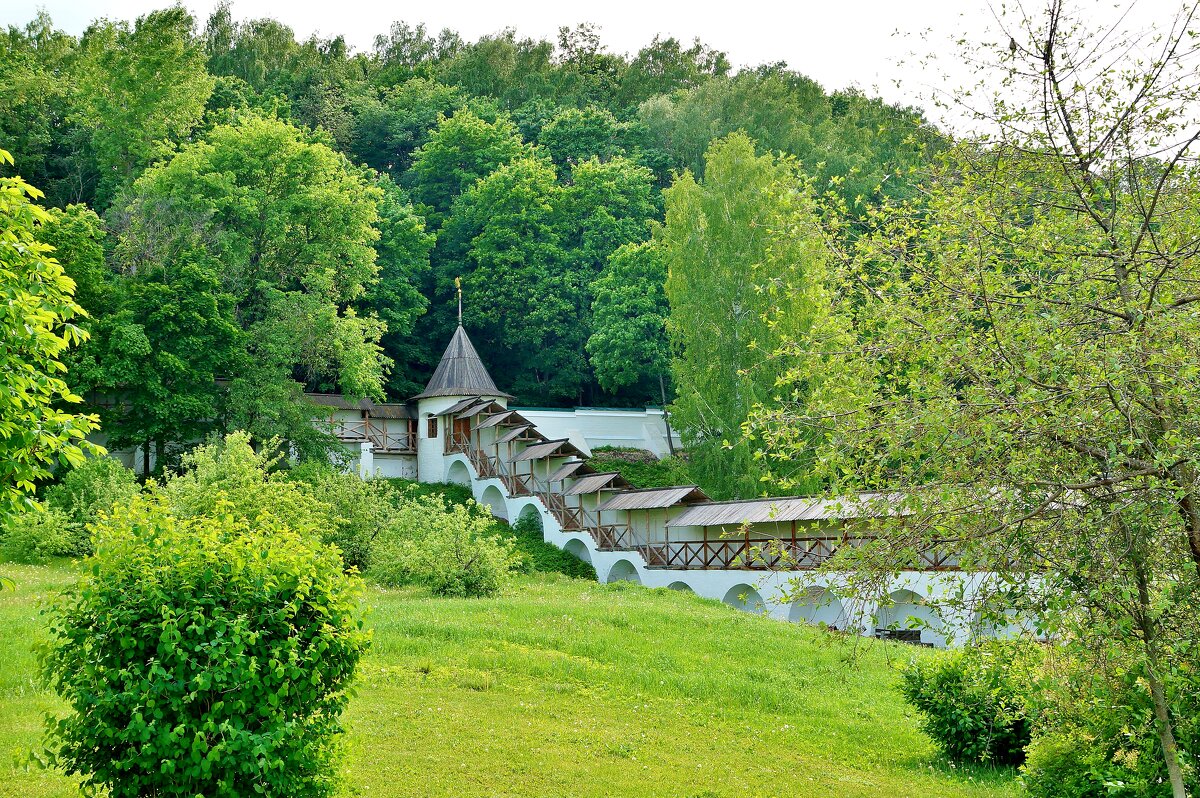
<point x="430" y="467"/>
<point x="774" y="589"/>
<point x="402" y="466"/>
<point x="588" y="427"/>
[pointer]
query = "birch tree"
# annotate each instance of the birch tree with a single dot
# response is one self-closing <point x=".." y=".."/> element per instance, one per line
<point x="1031" y="336"/>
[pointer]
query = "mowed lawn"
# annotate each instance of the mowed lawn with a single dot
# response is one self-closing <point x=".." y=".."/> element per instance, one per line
<point x="570" y="688"/>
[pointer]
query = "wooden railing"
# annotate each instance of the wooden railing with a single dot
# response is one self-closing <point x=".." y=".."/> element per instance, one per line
<point x="380" y="437"/>
<point x="458" y="442"/>
<point x="798" y="554"/>
<point x="763" y="554"/>
<point x="613" y="537"/>
<point x="569" y="518"/>
<point x="517" y="484"/>
<point x="485" y="465"/>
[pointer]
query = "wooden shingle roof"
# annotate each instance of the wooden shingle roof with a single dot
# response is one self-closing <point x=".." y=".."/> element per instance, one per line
<point x="460" y="372"/>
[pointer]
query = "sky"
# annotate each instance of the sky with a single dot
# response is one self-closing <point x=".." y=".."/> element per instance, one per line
<point x="875" y="45"/>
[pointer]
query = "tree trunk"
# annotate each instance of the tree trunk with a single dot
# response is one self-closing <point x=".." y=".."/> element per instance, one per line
<point x="146" y="458"/>
<point x="662" y="390"/>
<point x="1158" y="694"/>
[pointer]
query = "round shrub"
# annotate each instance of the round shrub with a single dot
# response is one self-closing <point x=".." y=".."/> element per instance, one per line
<point x="94" y="487"/>
<point x="203" y="656"/>
<point x="1065" y="765"/>
<point x="358" y="509"/>
<point x="36" y="535"/>
<point x="972" y="701"/>
<point x="230" y="474"/>
<point x="452" y="549"/>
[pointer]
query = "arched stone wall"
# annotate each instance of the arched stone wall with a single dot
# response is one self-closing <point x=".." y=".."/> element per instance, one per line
<point x="578" y="548"/>
<point x="819" y="606"/>
<point x="458" y="474"/>
<point x="909" y="610"/>
<point x="682" y="587"/>
<point x="623" y="571"/>
<point x="744" y="597"/>
<point x="494" y="499"/>
<point x="531" y="511"/>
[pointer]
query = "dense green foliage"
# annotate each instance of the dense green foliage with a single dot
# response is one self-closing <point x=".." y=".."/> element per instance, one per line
<point x="538" y="556"/>
<point x="37" y="310"/>
<point x="640" y="468"/>
<point x="1095" y="727"/>
<point x="746" y="275"/>
<point x="37" y="534"/>
<point x="93" y="488"/>
<point x="207" y="655"/>
<point x="453" y="549"/>
<point x="973" y="701"/>
<point x="247" y="183"/>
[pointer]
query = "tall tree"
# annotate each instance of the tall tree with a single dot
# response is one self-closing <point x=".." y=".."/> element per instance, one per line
<point x="403" y="257"/>
<point x="506" y="238"/>
<point x="35" y="108"/>
<point x="156" y="355"/>
<point x="36" y="322"/>
<point x="746" y="266"/>
<point x="140" y="89"/>
<point x="628" y="346"/>
<point x="1032" y="339"/>
<point x="461" y="150"/>
<point x="388" y="131"/>
<point x="288" y="226"/>
<point x="574" y="135"/>
<point x="664" y="66"/>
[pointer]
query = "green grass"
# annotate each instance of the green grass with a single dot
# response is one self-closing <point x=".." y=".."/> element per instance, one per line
<point x="570" y="688"/>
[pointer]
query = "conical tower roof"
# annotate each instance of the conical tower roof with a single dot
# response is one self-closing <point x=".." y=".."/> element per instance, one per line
<point x="461" y="372"/>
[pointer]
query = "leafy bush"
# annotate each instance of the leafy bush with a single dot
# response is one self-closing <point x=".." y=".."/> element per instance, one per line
<point x="94" y="487"/>
<point x="232" y="476"/>
<point x="641" y="468"/>
<point x="1065" y="765"/>
<point x="35" y="535"/>
<point x="357" y="509"/>
<point x="451" y="492"/>
<point x="543" y="557"/>
<point x="451" y="549"/>
<point x="1096" y="732"/>
<point x="972" y="700"/>
<point x="203" y="656"/>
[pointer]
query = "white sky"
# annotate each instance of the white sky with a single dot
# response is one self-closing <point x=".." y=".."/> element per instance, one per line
<point x="865" y="43"/>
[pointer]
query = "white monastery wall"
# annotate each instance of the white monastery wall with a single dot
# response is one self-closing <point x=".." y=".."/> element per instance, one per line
<point x="591" y="427"/>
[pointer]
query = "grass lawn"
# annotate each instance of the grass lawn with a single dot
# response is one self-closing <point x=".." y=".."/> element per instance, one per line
<point x="569" y="688"/>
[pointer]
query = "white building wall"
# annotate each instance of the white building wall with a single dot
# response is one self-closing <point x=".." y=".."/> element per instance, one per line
<point x="590" y="427"/>
<point x="772" y="594"/>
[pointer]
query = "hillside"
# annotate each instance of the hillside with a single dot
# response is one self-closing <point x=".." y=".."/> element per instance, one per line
<point x="570" y="688"/>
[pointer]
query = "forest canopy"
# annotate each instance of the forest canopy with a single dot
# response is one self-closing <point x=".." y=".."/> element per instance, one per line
<point x="231" y="170"/>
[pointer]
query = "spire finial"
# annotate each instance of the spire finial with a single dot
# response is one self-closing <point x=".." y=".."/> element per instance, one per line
<point x="458" y="285"/>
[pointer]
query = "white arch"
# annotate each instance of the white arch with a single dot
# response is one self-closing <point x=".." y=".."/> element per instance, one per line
<point x="744" y="597"/>
<point x="908" y="610"/>
<point x="681" y="586"/>
<point x="623" y="571"/>
<point x="819" y="605"/>
<point x="457" y="473"/>
<point x="531" y="510"/>
<point x="494" y="499"/>
<point x="579" y="549"/>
